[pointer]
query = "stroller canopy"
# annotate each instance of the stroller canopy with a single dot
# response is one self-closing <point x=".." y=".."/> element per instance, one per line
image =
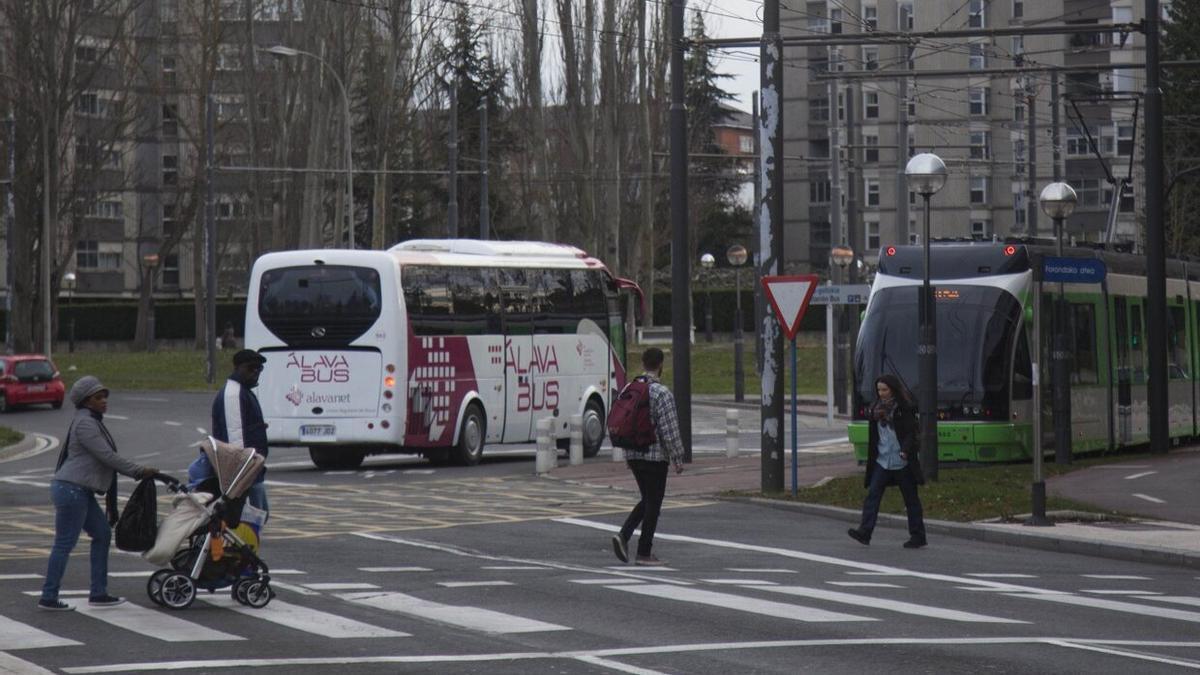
<point x="236" y="467"/>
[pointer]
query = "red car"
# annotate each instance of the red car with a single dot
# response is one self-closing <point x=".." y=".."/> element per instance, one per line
<point x="29" y="378"/>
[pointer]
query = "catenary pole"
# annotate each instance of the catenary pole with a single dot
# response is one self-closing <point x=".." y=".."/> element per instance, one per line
<point x="770" y="231"/>
<point x="681" y="259"/>
<point x="210" y="241"/>
<point x="452" y="151"/>
<point x="1156" y="264"/>
<point x="485" y="225"/>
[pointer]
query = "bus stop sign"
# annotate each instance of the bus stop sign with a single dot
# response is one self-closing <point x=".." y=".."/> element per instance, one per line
<point x="789" y="297"/>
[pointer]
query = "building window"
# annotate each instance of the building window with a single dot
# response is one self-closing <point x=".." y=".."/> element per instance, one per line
<point x="872" y="191"/>
<point x="871" y="58"/>
<point x="912" y="197"/>
<point x="1018" y="48"/>
<point x="975" y="9"/>
<point x="841" y="98"/>
<point x="88" y="103"/>
<point x="818" y="190"/>
<point x="169" y="78"/>
<point x="1019" y="111"/>
<point x="227" y="210"/>
<point x="870" y="149"/>
<point x="1091" y="192"/>
<point x="1077" y="144"/>
<point x="818" y="25"/>
<point x="871" y="104"/>
<point x="979" y="189"/>
<point x="1020" y="217"/>
<point x="94" y="255"/>
<point x="872" y="234"/>
<point x="170" y="169"/>
<point x="1124" y="138"/>
<point x="981" y="145"/>
<point x="229" y="57"/>
<point x="106" y="208"/>
<point x="1126" y="204"/>
<point x="170" y="270"/>
<point x="1019" y="156"/>
<point x="870" y="17"/>
<point x="168" y="10"/>
<point x="86" y="53"/>
<point x="230" y="10"/>
<point x="906" y="16"/>
<point x="977" y="59"/>
<point x="169" y="223"/>
<point x="230" y="107"/>
<point x="1121" y="15"/>
<point x="835" y="21"/>
<point x="912" y="101"/>
<point x="746" y="144"/>
<point x="170" y="119"/>
<point x="979" y="229"/>
<point x="818" y="109"/>
<point x="1122" y="80"/>
<point x="977" y="98"/>
<point x="1018" y="9"/>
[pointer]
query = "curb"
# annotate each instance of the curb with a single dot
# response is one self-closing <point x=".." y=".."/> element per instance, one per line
<point x="24" y="445"/>
<point x="1030" y="539"/>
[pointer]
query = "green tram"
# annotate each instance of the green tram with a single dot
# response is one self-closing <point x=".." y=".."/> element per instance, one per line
<point x="985" y="317"/>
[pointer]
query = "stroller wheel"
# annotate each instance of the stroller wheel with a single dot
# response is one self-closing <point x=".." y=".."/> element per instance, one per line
<point x="258" y="594"/>
<point x="178" y="591"/>
<point x="154" y="585"/>
<point x="239" y="591"/>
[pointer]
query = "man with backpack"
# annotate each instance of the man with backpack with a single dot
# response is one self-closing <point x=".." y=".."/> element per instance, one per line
<point x="645" y="423"/>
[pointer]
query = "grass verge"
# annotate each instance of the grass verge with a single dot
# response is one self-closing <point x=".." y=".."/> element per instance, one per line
<point x="961" y="493"/>
<point x="10" y="436"/>
<point x="713" y="364"/>
<point x="181" y="370"/>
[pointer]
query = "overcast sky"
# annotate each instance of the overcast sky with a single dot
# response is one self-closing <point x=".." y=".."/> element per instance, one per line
<point x="734" y="18"/>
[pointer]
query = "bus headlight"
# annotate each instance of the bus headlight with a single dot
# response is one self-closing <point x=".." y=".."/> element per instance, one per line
<point x="387" y="407"/>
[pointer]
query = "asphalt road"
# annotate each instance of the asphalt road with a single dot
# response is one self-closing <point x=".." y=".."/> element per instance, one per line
<point x="489" y="569"/>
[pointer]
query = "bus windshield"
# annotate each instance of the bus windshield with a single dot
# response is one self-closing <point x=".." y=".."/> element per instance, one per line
<point x="319" y="305"/>
<point x="976" y="326"/>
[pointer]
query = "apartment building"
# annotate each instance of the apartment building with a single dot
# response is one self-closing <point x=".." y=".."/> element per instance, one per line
<point x="995" y="132"/>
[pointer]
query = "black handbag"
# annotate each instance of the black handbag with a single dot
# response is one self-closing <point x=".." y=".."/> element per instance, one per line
<point x="138" y="525"/>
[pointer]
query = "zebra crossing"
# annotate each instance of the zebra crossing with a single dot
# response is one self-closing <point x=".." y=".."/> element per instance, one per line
<point x="399" y="615"/>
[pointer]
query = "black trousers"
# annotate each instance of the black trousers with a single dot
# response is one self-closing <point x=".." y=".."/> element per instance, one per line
<point x="652" y="483"/>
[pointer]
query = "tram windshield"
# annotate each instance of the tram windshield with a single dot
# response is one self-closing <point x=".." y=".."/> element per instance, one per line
<point x="976" y="326"/>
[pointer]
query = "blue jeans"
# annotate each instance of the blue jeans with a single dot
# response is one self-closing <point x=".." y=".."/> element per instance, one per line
<point x="880" y="479"/>
<point x="76" y="510"/>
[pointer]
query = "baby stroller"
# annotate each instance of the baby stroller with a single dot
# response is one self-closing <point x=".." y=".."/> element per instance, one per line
<point x="210" y="538"/>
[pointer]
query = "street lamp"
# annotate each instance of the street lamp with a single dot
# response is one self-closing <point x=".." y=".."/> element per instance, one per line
<point x="737" y="255"/>
<point x="707" y="261"/>
<point x="69" y="283"/>
<point x="290" y="52"/>
<point x="1058" y="201"/>
<point x="151" y="262"/>
<point x="926" y="174"/>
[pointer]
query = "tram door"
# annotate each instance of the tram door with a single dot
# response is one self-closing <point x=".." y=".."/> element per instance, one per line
<point x="1124" y="373"/>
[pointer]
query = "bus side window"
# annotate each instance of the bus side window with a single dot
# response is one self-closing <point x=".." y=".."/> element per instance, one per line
<point x="427" y="297"/>
<point x="470" y="303"/>
<point x="515" y="301"/>
<point x="551" y="292"/>
<point x="588" y="300"/>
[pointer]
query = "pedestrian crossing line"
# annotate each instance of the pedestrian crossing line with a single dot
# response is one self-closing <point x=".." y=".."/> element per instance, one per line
<point x="513" y="567"/>
<point x="863" y="584"/>
<point x="643" y="568"/>
<point x="10" y="577"/>
<point x="1122" y="577"/>
<point x="295" y="588"/>
<point x="336" y="586"/>
<point x="307" y="620"/>
<point x="617" y="666"/>
<point x="1000" y="575"/>
<point x="760" y="570"/>
<point x="275" y="572"/>
<point x="12" y="664"/>
<point x="741" y="603"/>
<point x="153" y="623"/>
<point x="608" y="581"/>
<point x="16" y="635"/>
<point x="1010" y="589"/>
<point x="872" y="602"/>
<point x="394" y="569"/>
<point x="1115" y="605"/>
<point x="740" y="582"/>
<point x="471" y="618"/>
<point x="1176" y="599"/>
<point x="1116" y="591"/>
<point x="472" y="584"/>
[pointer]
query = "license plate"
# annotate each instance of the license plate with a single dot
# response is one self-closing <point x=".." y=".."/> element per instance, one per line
<point x="36" y="387"/>
<point x="318" y="432"/>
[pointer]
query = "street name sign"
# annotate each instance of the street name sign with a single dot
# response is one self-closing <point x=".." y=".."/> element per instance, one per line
<point x="1073" y="270"/>
<point x="789" y="297"/>
<point x="846" y="294"/>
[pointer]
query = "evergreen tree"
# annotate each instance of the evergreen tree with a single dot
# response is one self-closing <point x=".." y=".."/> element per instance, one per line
<point x="1181" y="127"/>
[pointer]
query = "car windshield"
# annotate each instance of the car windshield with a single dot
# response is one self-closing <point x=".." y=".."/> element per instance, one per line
<point x="976" y="326"/>
<point x="33" y="369"/>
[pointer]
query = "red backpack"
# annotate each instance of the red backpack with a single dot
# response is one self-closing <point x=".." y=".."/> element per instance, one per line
<point x="630" y="425"/>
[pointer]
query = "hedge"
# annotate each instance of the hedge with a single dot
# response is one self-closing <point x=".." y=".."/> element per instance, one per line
<point x="117" y="321"/>
<point x="725" y="308"/>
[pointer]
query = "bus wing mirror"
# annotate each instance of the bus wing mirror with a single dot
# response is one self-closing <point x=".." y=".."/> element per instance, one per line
<point x="632" y="286"/>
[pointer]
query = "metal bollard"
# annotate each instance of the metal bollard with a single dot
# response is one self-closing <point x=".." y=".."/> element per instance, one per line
<point x="576" y="440"/>
<point x="547" y="453"/>
<point x="731" y="433"/>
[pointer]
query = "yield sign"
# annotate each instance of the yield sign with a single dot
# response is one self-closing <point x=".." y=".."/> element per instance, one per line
<point x="789" y="296"/>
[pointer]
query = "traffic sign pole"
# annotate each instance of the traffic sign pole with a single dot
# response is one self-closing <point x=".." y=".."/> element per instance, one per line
<point x="795" y="430"/>
<point x="789" y="297"/>
<point x="829" y="361"/>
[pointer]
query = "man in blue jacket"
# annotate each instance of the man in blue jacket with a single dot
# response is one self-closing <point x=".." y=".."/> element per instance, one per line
<point x="237" y="419"/>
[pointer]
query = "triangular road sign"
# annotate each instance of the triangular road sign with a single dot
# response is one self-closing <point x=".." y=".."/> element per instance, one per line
<point x="789" y="296"/>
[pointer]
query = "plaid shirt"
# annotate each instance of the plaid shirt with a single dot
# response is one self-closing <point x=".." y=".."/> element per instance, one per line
<point x="669" y="446"/>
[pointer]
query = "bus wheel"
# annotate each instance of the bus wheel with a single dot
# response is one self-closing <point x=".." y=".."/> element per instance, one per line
<point x="593" y="428"/>
<point x="469" y="450"/>
<point x="332" y="459"/>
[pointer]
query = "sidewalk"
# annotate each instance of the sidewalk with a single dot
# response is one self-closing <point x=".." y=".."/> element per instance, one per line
<point x="1147" y="541"/>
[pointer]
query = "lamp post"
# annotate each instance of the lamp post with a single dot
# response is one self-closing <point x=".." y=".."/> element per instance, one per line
<point x="835" y="368"/>
<point x="1058" y="201"/>
<point x="737" y="255"/>
<point x="151" y="262"/>
<point x="926" y="174"/>
<point x="69" y="282"/>
<point x="290" y="52"/>
<point x="707" y="261"/>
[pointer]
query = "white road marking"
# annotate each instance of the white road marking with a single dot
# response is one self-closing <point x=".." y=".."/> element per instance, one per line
<point x="644" y="568"/>
<point x="828" y="441"/>
<point x="761" y="570"/>
<point x="5" y="577"/>
<point x="64" y="593"/>
<point x="1000" y="575"/>
<point x="1104" y="591"/>
<point x="202" y="430"/>
<point x="1176" y="599"/>
<point x="422" y="472"/>
<point x="340" y="473"/>
<point x="874" y="602"/>
<point x="692" y="648"/>
<point x="470" y="584"/>
<point x="863" y="584"/>
<point x="823" y="481"/>
<point x="1123" y="652"/>
<point x="305" y="619"/>
<point x="1140" y="475"/>
<point x="172" y="423"/>
<point x="341" y="586"/>
<point x="12" y="664"/>
<point x="1122" y="466"/>
<point x="741" y="603"/>
<point x="607" y="580"/>
<point x="1127" y="577"/>
<point x="1115" y="605"/>
<point x="22" y="480"/>
<point x="394" y="569"/>
<point x="286" y="571"/>
<point x="280" y="483"/>
<point x="472" y="618"/>
<point x="617" y="666"/>
<point x="151" y="399"/>
<point x="153" y="623"/>
<point x="16" y="635"/>
<point x="292" y="587"/>
<point x="133" y="574"/>
<point x="42" y="443"/>
<point x="512" y="567"/>
<point x="109" y="416"/>
<point x="740" y="582"/>
<point x="873" y="574"/>
<point x="1148" y="498"/>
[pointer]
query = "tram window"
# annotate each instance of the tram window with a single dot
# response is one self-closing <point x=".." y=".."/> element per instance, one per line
<point x="1177" y="367"/>
<point x="1136" y="331"/>
<point x="1022" y="370"/>
<point x="1083" y="355"/>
